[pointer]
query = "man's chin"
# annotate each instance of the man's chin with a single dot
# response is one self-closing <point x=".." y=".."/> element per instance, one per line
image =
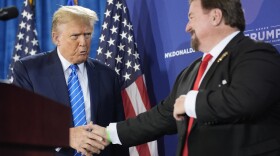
<point x="81" y="59"/>
<point x="194" y="46"/>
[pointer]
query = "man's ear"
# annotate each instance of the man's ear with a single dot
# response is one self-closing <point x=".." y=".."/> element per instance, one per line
<point x="55" y="38"/>
<point x="216" y="16"/>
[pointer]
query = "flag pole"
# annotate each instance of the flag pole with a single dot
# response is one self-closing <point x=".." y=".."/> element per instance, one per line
<point x="32" y="2"/>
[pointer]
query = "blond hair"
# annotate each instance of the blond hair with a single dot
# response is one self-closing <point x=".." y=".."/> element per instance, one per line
<point x="67" y="13"/>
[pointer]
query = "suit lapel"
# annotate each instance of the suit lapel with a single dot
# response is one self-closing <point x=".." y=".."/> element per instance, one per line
<point x="224" y="56"/>
<point x="191" y="76"/>
<point x="57" y="79"/>
<point x="93" y="85"/>
<point x="222" y="59"/>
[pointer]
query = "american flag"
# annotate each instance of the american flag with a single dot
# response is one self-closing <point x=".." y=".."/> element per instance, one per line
<point x="118" y="50"/>
<point x="26" y="40"/>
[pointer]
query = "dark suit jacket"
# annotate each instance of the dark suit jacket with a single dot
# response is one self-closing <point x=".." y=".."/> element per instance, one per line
<point x="237" y="107"/>
<point x="43" y="74"/>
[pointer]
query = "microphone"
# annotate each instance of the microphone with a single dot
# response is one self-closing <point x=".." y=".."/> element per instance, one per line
<point x="8" y="13"/>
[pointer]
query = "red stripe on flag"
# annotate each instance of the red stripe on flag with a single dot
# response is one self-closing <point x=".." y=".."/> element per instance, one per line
<point x="127" y="105"/>
<point x="143" y="92"/>
<point x="143" y="150"/>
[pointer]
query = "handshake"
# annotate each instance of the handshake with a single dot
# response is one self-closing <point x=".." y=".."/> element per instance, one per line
<point x="88" y="139"/>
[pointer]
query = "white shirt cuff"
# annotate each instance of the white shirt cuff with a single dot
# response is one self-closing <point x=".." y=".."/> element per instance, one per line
<point x="113" y="133"/>
<point x="189" y="103"/>
<point x="57" y="149"/>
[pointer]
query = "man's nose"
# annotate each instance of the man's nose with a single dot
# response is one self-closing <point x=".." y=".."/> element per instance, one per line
<point x="188" y="27"/>
<point x="82" y="40"/>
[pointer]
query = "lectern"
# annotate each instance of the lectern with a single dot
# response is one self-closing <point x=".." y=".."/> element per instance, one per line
<point x="30" y="124"/>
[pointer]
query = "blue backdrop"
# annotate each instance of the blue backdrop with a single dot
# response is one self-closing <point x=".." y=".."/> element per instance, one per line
<point x="159" y="27"/>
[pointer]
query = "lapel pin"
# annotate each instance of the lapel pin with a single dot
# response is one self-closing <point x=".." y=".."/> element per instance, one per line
<point x="222" y="57"/>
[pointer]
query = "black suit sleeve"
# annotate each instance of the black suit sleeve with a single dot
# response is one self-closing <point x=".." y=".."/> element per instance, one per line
<point x="21" y="77"/>
<point x="156" y="122"/>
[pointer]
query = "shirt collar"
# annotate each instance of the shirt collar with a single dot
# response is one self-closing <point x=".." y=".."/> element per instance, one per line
<point x="66" y="64"/>
<point x="215" y="52"/>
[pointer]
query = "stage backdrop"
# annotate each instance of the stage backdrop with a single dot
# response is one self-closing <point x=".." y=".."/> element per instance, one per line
<point x="159" y="26"/>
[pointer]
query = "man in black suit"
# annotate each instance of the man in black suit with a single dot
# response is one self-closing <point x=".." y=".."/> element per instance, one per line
<point x="236" y="107"/>
<point x="47" y="74"/>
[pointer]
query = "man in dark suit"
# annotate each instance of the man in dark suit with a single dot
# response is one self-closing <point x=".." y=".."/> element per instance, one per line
<point x="236" y="107"/>
<point x="47" y="74"/>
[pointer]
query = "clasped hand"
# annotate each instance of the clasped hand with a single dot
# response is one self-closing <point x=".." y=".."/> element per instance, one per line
<point x="179" y="109"/>
<point x="88" y="139"/>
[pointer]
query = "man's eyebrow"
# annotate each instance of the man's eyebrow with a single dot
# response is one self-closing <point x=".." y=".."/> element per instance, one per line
<point x="75" y="34"/>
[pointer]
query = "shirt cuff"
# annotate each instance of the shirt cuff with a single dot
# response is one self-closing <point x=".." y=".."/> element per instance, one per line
<point x="189" y="103"/>
<point x="57" y="149"/>
<point x="113" y="133"/>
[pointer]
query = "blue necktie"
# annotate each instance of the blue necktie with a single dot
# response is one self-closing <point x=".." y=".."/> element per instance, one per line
<point x="76" y="99"/>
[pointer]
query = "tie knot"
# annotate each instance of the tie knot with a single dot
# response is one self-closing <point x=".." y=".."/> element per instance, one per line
<point x="73" y="67"/>
<point x="207" y="58"/>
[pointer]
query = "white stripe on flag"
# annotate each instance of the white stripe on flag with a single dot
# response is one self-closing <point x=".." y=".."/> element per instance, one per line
<point x="153" y="148"/>
<point x="135" y="98"/>
<point x="133" y="151"/>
